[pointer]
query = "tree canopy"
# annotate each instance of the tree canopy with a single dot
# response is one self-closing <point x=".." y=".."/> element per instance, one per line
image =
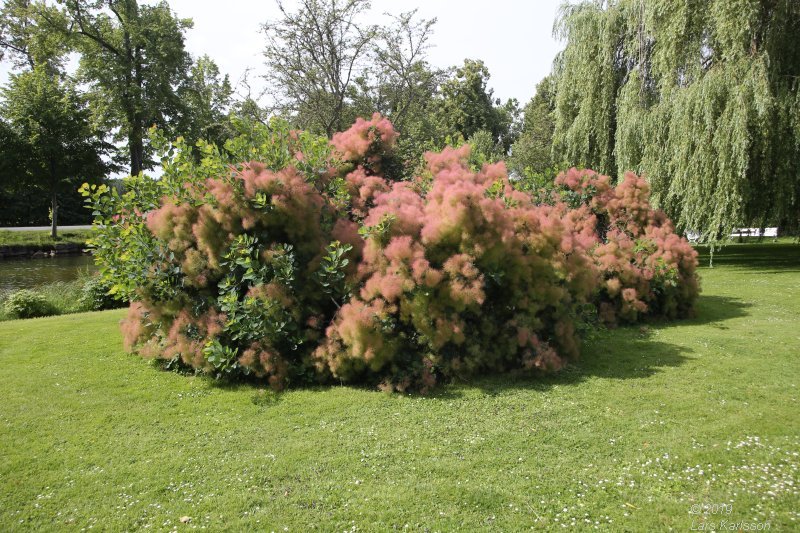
<point x="702" y="97"/>
<point x="468" y="105"/>
<point x="531" y="154"/>
<point x="133" y="57"/>
<point x="54" y="146"/>
<point x="26" y="39"/>
<point x="206" y="96"/>
<point x="328" y="66"/>
<point x="314" y="56"/>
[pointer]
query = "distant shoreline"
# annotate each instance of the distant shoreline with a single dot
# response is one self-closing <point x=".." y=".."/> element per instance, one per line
<point x="15" y="251"/>
<point x="36" y="243"/>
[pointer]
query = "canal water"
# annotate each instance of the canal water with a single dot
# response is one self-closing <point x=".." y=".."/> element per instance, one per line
<point x="27" y="273"/>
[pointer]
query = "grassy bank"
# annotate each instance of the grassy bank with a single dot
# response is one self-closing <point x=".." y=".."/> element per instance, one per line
<point x="42" y="238"/>
<point x="651" y="422"/>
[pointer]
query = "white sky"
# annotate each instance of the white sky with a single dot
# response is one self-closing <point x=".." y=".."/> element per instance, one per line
<point x="513" y="38"/>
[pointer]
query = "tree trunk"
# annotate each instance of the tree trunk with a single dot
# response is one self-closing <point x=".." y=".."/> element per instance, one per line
<point x="54" y="224"/>
<point x="137" y="119"/>
<point x="136" y="146"/>
<point x="53" y="201"/>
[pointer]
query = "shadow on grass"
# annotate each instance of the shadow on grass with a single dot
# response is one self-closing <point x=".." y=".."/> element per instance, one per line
<point x="712" y="310"/>
<point x="772" y="258"/>
<point x="623" y="353"/>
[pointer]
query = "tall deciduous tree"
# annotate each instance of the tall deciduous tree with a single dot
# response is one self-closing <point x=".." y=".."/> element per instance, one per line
<point x="328" y="66"/>
<point x="467" y="105"/>
<point x="133" y="57"/>
<point x="47" y="144"/>
<point x="531" y="153"/>
<point x="701" y="96"/>
<point x="400" y="83"/>
<point x="206" y="96"/>
<point x="16" y="196"/>
<point x="314" y="56"/>
<point x="49" y="123"/>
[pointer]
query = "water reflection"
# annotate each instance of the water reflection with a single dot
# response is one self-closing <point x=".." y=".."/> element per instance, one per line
<point x="26" y="273"/>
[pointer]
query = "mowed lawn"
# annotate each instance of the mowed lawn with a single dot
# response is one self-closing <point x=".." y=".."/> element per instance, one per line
<point x="651" y="422"/>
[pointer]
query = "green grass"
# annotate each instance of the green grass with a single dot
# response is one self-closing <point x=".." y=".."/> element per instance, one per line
<point x="649" y="423"/>
<point x="42" y="238"/>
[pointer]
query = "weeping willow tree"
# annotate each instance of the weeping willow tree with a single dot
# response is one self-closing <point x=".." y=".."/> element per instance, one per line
<point x="701" y="96"/>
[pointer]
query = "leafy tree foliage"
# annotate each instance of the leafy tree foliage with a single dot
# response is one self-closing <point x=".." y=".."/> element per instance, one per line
<point x="314" y="56"/>
<point x="25" y="38"/>
<point x="30" y="141"/>
<point x="206" y="97"/>
<point x="400" y="84"/>
<point x="531" y="154"/>
<point x="467" y="105"/>
<point x="329" y="67"/>
<point x="398" y="81"/>
<point x="16" y="196"/>
<point x="134" y="59"/>
<point x="702" y="97"/>
<point x="47" y="124"/>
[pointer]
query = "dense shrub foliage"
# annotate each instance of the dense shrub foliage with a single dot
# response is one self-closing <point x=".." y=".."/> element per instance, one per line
<point x="26" y="303"/>
<point x="313" y="262"/>
<point x="94" y="295"/>
<point x="645" y="267"/>
<point x="87" y="293"/>
<point x="470" y="277"/>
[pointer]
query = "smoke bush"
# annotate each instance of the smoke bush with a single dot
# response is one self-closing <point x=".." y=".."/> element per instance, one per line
<point x="366" y="140"/>
<point x="233" y="269"/>
<point x="646" y="269"/>
<point x="472" y="277"/>
<point x="247" y="253"/>
<point x="311" y="262"/>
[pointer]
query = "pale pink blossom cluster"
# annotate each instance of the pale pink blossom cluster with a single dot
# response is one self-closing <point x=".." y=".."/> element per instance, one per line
<point x="366" y="141"/>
